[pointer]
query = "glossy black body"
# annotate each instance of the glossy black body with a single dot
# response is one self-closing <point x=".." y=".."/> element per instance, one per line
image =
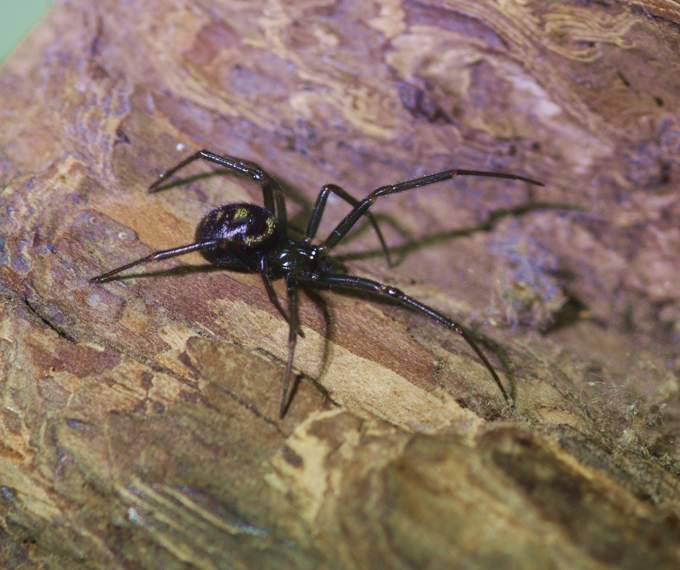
<point x="248" y="237"/>
<point x="244" y="232"/>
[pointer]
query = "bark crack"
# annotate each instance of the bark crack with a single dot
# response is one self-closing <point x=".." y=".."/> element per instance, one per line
<point x="34" y="310"/>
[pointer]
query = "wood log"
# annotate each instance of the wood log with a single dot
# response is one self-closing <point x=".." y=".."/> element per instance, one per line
<point x="139" y="420"/>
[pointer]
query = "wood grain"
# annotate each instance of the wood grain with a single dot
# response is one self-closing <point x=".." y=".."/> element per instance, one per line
<point x="138" y="426"/>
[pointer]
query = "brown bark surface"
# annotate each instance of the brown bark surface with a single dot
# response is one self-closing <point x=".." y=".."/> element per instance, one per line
<point x="138" y="426"/>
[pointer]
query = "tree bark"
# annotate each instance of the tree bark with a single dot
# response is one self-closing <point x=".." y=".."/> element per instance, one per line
<point x="139" y="420"/>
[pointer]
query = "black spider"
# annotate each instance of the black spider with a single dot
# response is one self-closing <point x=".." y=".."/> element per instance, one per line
<point x="247" y="237"/>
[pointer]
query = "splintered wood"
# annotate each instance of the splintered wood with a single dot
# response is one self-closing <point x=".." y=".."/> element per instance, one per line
<point x="139" y="421"/>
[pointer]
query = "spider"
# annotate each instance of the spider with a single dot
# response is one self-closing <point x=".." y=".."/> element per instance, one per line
<point x="255" y="239"/>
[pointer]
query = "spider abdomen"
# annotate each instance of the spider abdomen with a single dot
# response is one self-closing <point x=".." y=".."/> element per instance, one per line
<point x="245" y="228"/>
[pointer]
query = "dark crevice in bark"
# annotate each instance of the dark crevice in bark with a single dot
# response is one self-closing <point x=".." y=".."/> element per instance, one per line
<point x="46" y="321"/>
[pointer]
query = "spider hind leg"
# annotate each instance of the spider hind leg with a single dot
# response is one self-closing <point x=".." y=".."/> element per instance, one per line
<point x="352" y="282"/>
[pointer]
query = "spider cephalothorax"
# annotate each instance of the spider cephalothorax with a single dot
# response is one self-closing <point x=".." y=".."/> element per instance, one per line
<point x="253" y="238"/>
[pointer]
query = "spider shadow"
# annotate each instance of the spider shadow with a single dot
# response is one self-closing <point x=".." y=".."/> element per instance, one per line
<point x="315" y="295"/>
<point x="412" y="244"/>
<point x="416" y="243"/>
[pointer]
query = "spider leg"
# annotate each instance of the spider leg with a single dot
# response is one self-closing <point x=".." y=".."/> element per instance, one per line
<point x="271" y="293"/>
<point x="320" y="205"/>
<point x="355" y="283"/>
<point x="269" y="287"/>
<point x="271" y="191"/>
<point x="156" y="256"/>
<point x="293" y="326"/>
<point x="362" y="207"/>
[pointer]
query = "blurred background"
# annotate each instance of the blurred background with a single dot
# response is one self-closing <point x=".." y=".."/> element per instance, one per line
<point x="16" y="21"/>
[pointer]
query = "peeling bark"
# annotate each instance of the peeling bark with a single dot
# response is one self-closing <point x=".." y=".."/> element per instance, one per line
<point x="139" y="422"/>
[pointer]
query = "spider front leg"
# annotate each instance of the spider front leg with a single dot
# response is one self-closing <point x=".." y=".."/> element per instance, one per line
<point x="269" y="287"/>
<point x="156" y="256"/>
<point x="293" y="331"/>
<point x="355" y="283"/>
<point x="320" y="206"/>
<point x="271" y="191"/>
<point x="362" y="207"/>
